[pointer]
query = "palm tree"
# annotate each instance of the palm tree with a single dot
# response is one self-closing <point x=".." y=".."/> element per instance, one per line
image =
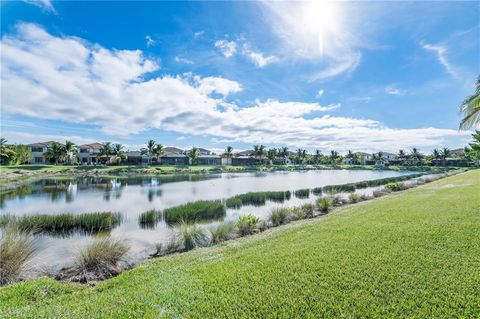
<point x="317" y="157"/>
<point x="71" y="150"/>
<point x="471" y="109"/>
<point x="106" y="151"/>
<point x="228" y="154"/>
<point x="352" y="156"/>
<point x="259" y="152"/>
<point x="283" y="153"/>
<point x="416" y="155"/>
<point x="402" y="155"/>
<point x="158" y="151"/>
<point x="193" y="154"/>
<point x="445" y="153"/>
<point x="6" y="152"/>
<point x="118" y="153"/>
<point x="149" y="150"/>
<point x="436" y="154"/>
<point x="56" y="152"/>
<point x="272" y="154"/>
<point x="333" y="157"/>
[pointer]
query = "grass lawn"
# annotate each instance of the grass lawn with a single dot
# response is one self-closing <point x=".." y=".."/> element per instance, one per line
<point x="412" y="254"/>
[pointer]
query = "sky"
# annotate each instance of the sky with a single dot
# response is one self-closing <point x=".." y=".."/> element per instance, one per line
<point x="361" y="76"/>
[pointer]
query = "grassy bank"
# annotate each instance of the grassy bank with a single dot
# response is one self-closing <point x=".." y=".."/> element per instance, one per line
<point x="409" y="254"/>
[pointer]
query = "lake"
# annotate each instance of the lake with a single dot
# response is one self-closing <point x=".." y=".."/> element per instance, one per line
<point x="133" y="195"/>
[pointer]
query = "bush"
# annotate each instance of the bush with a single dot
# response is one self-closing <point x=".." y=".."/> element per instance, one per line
<point x="353" y="198"/>
<point x="149" y="219"/>
<point x="317" y="191"/>
<point x="199" y="210"/>
<point x="337" y="200"/>
<point x="279" y="216"/>
<point x="394" y="187"/>
<point x="247" y="224"/>
<point x="17" y="247"/>
<point x="308" y="210"/>
<point x="234" y="202"/>
<point x="174" y="244"/>
<point x="193" y="236"/>
<point x="324" y="204"/>
<point x="223" y="231"/>
<point x="302" y="193"/>
<point x="98" y="260"/>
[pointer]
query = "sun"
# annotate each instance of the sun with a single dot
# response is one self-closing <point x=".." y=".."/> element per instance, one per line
<point x="321" y="20"/>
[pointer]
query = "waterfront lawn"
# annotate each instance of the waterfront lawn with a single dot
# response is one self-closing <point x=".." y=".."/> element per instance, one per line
<point x="411" y="254"/>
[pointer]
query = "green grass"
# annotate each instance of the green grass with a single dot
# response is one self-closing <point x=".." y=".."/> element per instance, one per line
<point x="411" y="254"/>
<point x="65" y="223"/>
<point x="195" y="211"/>
<point x="302" y="193"/>
<point x="257" y="198"/>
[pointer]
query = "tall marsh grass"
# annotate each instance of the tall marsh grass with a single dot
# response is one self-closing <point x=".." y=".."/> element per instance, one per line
<point x="17" y="247"/>
<point x="195" y="211"/>
<point x="222" y="232"/>
<point x="257" y="198"/>
<point x="193" y="236"/>
<point x="149" y="219"/>
<point x="302" y="193"/>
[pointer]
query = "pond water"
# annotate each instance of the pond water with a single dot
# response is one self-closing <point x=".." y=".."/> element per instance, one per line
<point x="132" y="196"/>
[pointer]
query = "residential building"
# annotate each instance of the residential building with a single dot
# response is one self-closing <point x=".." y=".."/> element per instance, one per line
<point x="38" y="151"/>
<point x="243" y="160"/>
<point x="364" y="158"/>
<point x="174" y="159"/>
<point x="209" y="160"/>
<point x="136" y="158"/>
<point x="88" y="153"/>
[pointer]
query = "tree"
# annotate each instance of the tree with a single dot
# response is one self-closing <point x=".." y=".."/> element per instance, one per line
<point x="402" y="155"/>
<point x="149" y="150"/>
<point x="56" y="152"/>
<point x="317" y="157"/>
<point x="258" y="152"/>
<point x="106" y="151"/>
<point x="70" y="150"/>
<point x="416" y="155"/>
<point x="333" y="157"/>
<point x="158" y="151"/>
<point x="471" y="109"/>
<point x="353" y="157"/>
<point x="473" y="152"/>
<point x="283" y="153"/>
<point x="228" y="152"/>
<point x="7" y="153"/>
<point x="445" y="153"/>
<point x="23" y="155"/>
<point x="436" y="154"/>
<point x="118" y="153"/>
<point x="272" y="154"/>
<point x="193" y="155"/>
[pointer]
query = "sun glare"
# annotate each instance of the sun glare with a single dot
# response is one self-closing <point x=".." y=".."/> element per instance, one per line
<point x="320" y="19"/>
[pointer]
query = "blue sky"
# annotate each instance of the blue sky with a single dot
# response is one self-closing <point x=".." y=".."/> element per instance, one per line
<point x="365" y="76"/>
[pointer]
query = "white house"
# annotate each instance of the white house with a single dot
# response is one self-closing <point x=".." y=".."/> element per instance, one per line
<point x="38" y="151"/>
<point x="87" y="153"/>
<point x="364" y="157"/>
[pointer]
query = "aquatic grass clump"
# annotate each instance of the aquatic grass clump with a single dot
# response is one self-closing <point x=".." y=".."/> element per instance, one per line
<point x="317" y="191"/>
<point x="302" y="193"/>
<point x="308" y="210"/>
<point x="279" y="196"/>
<point x="353" y="198"/>
<point x="279" y="216"/>
<point x="193" y="236"/>
<point x="222" y="232"/>
<point x="394" y="187"/>
<point x="17" y="247"/>
<point x="234" y="202"/>
<point x="324" y="204"/>
<point x="195" y="211"/>
<point x="64" y="223"/>
<point x="150" y="218"/>
<point x="339" y="188"/>
<point x="172" y="245"/>
<point x="257" y="198"/>
<point x="98" y="260"/>
<point x="247" y="224"/>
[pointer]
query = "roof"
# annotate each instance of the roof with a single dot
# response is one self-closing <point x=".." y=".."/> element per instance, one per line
<point x="362" y="153"/>
<point x="92" y="145"/>
<point x="209" y="156"/>
<point x="42" y="144"/>
<point x="173" y="155"/>
<point x="389" y="154"/>
<point x="171" y="149"/>
<point x="245" y="153"/>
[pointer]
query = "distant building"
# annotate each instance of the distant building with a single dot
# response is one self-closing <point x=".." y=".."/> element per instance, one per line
<point x="174" y="159"/>
<point x="88" y="153"/>
<point x="38" y="151"/>
<point x="209" y="160"/>
<point x="243" y="160"/>
<point x="136" y="158"/>
<point x="365" y="158"/>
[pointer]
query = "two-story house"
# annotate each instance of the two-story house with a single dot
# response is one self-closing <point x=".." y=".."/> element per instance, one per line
<point x="88" y="153"/>
<point x="38" y="151"/>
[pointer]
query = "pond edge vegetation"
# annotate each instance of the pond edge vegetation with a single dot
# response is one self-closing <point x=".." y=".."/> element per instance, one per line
<point x="188" y="235"/>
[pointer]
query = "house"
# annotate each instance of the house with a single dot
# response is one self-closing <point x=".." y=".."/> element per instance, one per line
<point x="175" y="150"/>
<point x="136" y="158"/>
<point x="457" y="153"/>
<point x="365" y="158"/>
<point x="174" y="159"/>
<point x="209" y="160"/>
<point x="243" y="160"/>
<point x="88" y="153"/>
<point x="389" y="156"/>
<point x="38" y="151"/>
<point x="204" y="151"/>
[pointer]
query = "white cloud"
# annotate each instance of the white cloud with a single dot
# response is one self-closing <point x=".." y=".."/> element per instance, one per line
<point x="44" y="4"/>
<point x="112" y="89"/>
<point x="180" y="138"/>
<point x="319" y="94"/>
<point x="149" y="40"/>
<point x="392" y="90"/>
<point x="260" y="60"/>
<point x="198" y="34"/>
<point x="227" y="48"/>
<point x="183" y="60"/>
<point x="365" y="99"/>
<point x="441" y="52"/>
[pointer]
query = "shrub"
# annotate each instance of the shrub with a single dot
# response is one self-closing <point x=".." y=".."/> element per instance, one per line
<point x="337" y="200"/>
<point x="353" y="198"/>
<point x="98" y="260"/>
<point x="17" y="247"/>
<point x="223" y="231"/>
<point x="317" y="191"/>
<point x="324" y="204"/>
<point x="308" y="210"/>
<point x="302" y="193"/>
<point x="247" y="224"/>
<point x="174" y="244"/>
<point x="199" y="210"/>
<point x="193" y="236"/>
<point x="149" y="219"/>
<point x="279" y="216"/>
<point x="394" y="187"/>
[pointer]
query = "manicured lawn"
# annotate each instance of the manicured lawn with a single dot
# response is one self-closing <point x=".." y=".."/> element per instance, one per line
<point x="413" y="254"/>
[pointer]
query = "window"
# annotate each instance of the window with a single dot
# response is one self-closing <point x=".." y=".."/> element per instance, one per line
<point x="37" y="149"/>
<point x="38" y="159"/>
<point x="84" y="150"/>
